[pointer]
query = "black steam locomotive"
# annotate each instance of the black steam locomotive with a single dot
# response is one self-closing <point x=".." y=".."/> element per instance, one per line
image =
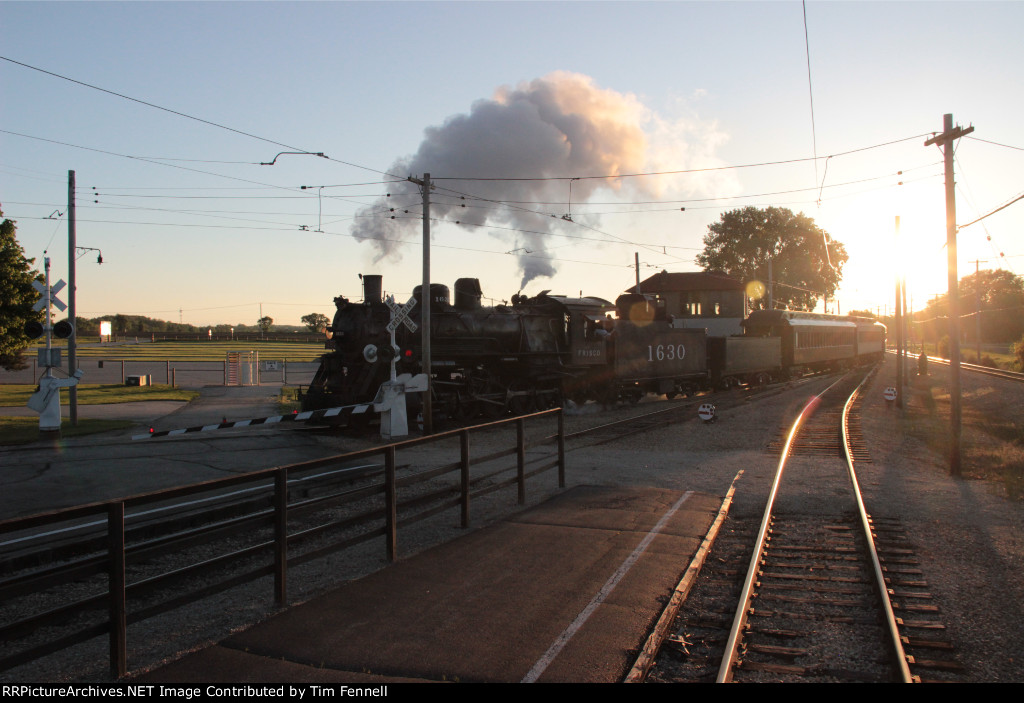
<point x="540" y="351"/>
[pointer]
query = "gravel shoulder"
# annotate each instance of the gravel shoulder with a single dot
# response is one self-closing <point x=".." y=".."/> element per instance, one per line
<point x="968" y="532"/>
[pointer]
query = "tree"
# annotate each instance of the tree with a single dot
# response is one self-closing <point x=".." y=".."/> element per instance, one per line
<point x="997" y="295"/>
<point x="806" y="262"/>
<point x="316" y="322"/>
<point x="17" y="296"/>
<point x="265" y="323"/>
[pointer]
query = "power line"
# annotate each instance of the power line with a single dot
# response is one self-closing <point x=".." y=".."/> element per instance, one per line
<point x="989" y="141"/>
<point x="189" y="117"/>
<point x="1001" y="207"/>
<point x="691" y="170"/>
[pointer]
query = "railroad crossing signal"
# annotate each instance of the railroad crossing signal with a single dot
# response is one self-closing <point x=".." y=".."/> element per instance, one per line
<point x="49" y="296"/>
<point x="400" y="314"/>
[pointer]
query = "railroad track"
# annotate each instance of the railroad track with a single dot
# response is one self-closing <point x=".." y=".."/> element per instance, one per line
<point x="974" y="368"/>
<point x="815" y="589"/>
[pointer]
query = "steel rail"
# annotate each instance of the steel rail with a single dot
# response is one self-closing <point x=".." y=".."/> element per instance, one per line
<point x="883" y="590"/>
<point x="1016" y="376"/>
<point x="743" y="609"/>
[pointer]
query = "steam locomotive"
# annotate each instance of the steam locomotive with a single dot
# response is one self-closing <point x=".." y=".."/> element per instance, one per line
<point x="540" y="351"/>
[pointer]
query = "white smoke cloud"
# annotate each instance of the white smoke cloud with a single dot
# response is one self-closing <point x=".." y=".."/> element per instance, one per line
<point x="558" y="127"/>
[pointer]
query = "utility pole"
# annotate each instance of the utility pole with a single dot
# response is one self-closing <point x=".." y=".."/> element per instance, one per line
<point x="945" y="140"/>
<point x="636" y="265"/>
<point x="425" y="363"/>
<point x="72" y="306"/>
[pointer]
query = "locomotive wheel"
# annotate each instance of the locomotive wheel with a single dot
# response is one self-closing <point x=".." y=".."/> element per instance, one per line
<point x="608" y="396"/>
<point x="465" y="408"/>
<point x="762" y="379"/>
<point x="547" y="399"/>
<point x="487" y="394"/>
<point x="521" y="398"/>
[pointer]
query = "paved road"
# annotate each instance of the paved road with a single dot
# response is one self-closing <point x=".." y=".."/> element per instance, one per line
<point x="47" y="475"/>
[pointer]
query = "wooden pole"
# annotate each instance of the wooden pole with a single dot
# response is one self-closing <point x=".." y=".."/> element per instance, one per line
<point x="945" y="140"/>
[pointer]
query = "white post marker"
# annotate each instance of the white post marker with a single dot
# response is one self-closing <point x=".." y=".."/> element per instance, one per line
<point x="390" y="400"/>
<point x="46" y="400"/>
<point x="706" y="412"/>
<point x="890" y="394"/>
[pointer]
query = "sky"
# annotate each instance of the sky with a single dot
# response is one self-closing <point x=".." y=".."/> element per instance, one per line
<point x="519" y="111"/>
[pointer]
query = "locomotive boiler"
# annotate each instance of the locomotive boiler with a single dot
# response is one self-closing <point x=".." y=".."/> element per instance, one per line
<point x="541" y="351"/>
<point x="531" y="354"/>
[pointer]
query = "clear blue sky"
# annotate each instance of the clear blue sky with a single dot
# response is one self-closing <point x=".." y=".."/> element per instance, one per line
<point x="193" y="224"/>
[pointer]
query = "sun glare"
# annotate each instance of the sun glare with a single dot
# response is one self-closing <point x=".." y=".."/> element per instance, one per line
<point x="877" y="255"/>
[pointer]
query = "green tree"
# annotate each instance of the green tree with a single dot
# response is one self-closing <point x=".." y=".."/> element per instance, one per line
<point x="806" y="262"/>
<point x="996" y="295"/>
<point x="17" y="296"/>
<point x="265" y="323"/>
<point x="316" y="322"/>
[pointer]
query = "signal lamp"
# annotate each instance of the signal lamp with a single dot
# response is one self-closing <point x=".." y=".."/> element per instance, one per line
<point x="34" y="329"/>
<point x="63" y="329"/>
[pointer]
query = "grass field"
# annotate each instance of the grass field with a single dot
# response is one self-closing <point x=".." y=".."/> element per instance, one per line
<point x="98" y="394"/>
<point x="22" y="430"/>
<point x="196" y="351"/>
<point x="968" y="355"/>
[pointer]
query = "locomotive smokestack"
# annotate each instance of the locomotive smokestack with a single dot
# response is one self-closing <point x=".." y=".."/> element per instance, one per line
<point x="372" y="287"/>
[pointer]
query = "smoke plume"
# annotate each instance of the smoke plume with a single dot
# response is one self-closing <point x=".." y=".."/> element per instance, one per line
<point x="557" y="127"/>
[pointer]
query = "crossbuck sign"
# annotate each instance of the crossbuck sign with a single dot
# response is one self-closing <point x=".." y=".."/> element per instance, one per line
<point x="400" y="314"/>
<point x="49" y="296"/>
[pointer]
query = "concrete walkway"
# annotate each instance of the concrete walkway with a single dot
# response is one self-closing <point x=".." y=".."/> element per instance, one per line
<point x="564" y="592"/>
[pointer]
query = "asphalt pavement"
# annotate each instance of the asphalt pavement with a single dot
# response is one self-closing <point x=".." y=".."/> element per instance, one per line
<point x="51" y="474"/>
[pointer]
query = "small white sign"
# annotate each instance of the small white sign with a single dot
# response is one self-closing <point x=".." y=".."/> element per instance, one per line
<point x="706" y="412"/>
<point x="890" y="394"/>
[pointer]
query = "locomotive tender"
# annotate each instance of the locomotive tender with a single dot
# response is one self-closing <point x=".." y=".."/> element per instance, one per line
<point x="541" y="350"/>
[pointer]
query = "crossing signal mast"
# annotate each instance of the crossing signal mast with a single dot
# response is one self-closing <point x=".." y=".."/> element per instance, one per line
<point x="46" y="400"/>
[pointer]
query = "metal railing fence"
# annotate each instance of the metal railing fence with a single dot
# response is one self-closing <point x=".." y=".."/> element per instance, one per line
<point x="291" y="516"/>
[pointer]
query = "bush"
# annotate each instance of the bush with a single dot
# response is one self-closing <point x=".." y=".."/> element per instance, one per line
<point x="1018" y="351"/>
<point x="942" y="348"/>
